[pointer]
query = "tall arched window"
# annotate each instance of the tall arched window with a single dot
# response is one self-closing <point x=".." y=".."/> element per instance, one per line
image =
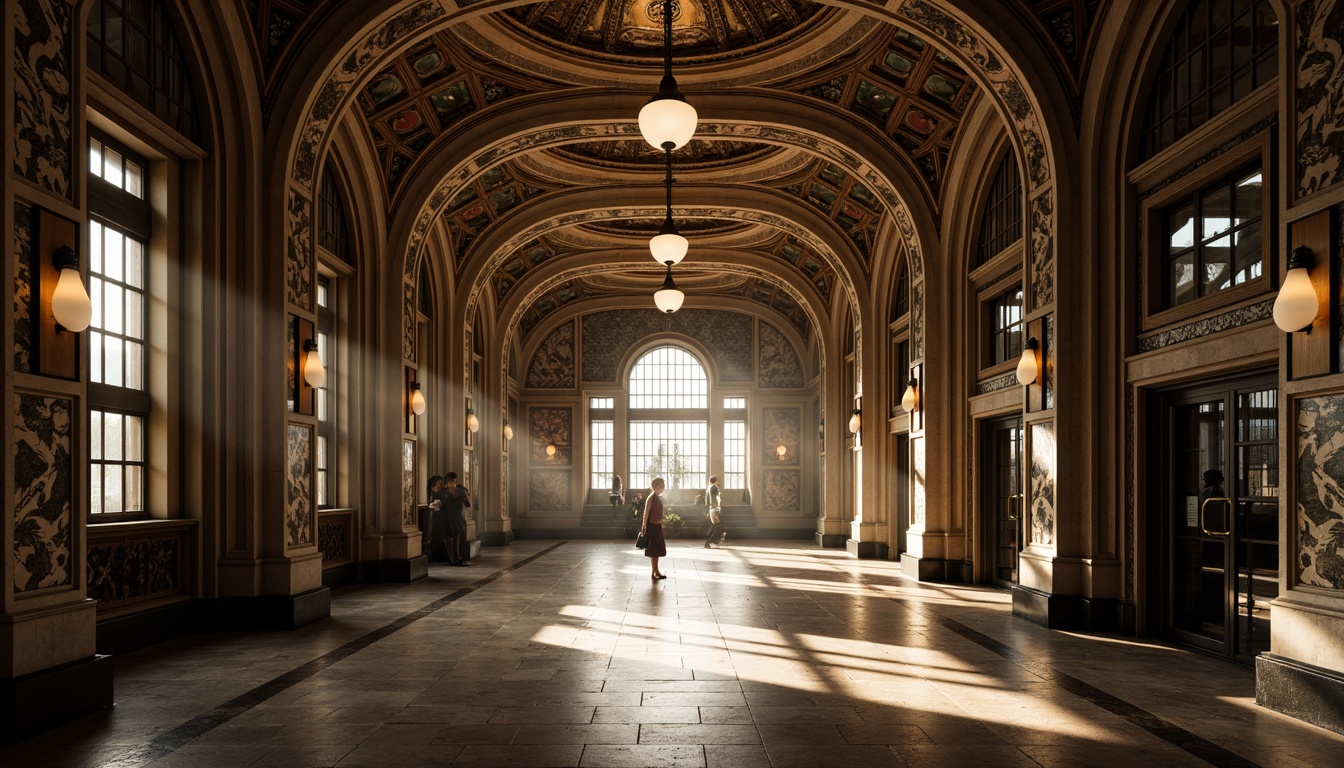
<point x="1001" y="221"/>
<point x="669" y="419"/>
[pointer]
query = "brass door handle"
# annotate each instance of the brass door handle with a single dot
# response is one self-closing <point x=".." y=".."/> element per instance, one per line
<point x="1203" y="524"/>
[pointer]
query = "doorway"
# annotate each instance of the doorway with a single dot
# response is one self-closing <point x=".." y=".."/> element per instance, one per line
<point x="1001" y="498"/>
<point x="1217" y="515"/>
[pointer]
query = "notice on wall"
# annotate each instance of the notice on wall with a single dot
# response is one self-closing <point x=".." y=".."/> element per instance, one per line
<point x="1192" y="511"/>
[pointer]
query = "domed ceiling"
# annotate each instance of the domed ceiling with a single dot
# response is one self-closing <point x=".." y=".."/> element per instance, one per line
<point x="632" y="30"/>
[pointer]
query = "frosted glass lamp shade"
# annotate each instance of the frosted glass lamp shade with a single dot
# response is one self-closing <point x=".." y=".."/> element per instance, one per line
<point x="668" y="247"/>
<point x="1297" y="305"/>
<point x="910" y="400"/>
<point x="669" y="299"/>
<point x="550" y="451"/>
<point x="1028" y="368"/>
<point x="780" y="451"/>
<point x="473" y="423"/>
<point x="70" y="303"/>
<point x="508" y="431"/>
<point x="855" y="421"/>
<point x="417" y="399"/>
<point x="313" y="372"/>
<point x="667" y="119"/>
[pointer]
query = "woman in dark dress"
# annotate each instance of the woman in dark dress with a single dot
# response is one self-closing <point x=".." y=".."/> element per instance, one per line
<point x="653" y="527"/>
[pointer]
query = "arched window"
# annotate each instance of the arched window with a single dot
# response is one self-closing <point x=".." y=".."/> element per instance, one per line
<point x="134" y="44"/>
<point x="1001" y="220"/>
<point x="333" y="231"/>
<point x="900" y="303"/>
<point x="1218" y="53"/>
<point x="669" y="419"/>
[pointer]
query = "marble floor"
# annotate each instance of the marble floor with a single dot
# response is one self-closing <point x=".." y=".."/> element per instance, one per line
<point x="760" y="654"/>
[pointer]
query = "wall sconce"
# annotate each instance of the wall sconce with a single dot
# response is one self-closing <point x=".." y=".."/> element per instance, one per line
<point x="1029" y="368"/>
<point x="508" y="431"/>
<point x="417" y="399"/>
<point x="473" y="423"/>
<point x="780" y="451"/>
<point x="550" y="451"/>
<point x="313" y="372"/>
<point x="1297" y="305"/>
<point x="855" y="421"/>
<point x="910" y="400"/>
<point x="70" y="303"/>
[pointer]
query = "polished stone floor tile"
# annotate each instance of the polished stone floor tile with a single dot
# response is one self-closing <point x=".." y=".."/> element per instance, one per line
<point x="757" y="655"/>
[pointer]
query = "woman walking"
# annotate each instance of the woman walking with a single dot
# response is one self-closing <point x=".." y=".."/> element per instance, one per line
<point x="653" y="527"/>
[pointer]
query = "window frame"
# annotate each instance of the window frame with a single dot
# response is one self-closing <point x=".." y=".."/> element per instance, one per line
<point x="131" y="216"/>
<point x="1153" y="212"/>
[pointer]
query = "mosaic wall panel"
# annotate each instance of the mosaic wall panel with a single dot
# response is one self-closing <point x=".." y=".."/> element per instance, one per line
<point x="607" y="335"/>
<point x="994" y="385"/>
<point x="1042" y="251"/>
<point x="1209" y="326"/>
<point x="299" y="265"/>
<point x="333" y="537"/>
<point x="783" y="490"/>
<point x="1320" y="95"/>
<point x="299" y="486"/>
<point x="997" y="77"/>
<point x="23" y="287"/>
<point x="43" y="128"/>
<point x="43" y="492"/>
<point x="917" y="324"/>
<point x="1048" y="364"/>
<point x="548" y="490"/>
<point x="552" y="366"/>
<point x="1043" y="484"/>
<point x="551" y="426"/>
<point x="409" y="320"/>
<point x="1320" y="492"/>
<point x="410" y="515"/>
<point x="126" y="571"/>
<point x="778" y="364"/>
<point x="781" y="426"/>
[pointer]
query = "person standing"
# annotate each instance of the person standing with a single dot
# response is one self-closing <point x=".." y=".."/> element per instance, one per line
<point x="439" y="527"/>
<point x="653" y="527"/>
<point x="456" y="499"/>
<point x="617" y="496"/>
<point x="714" y="507"/>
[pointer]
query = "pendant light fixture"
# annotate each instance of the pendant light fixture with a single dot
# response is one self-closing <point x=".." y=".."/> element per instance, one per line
<point x="669" y="298"/>
<point x="667" y="121"/>
<point x="668" y="246"/>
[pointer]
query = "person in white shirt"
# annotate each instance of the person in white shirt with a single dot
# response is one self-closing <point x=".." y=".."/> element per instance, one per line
<point x="714" y="506"/>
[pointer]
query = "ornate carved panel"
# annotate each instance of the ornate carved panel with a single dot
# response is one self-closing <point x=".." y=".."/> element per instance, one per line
<point x="23" y="287"/>
<point x="552" y="365"/>
<point x="548" y="490"/>
<point x="43" y="143"/>
<point x="1319" y="518"/>
<point x="607" y="335"/>
<point x="781" y="426"/>
<point x="299" y="265"/>
<point x="551" y="426"/>
<point x="335" y="534"/>
<point x="409" y="512"/>
<point x="128" y="571"/>
<point x="299" y="487"/>
<point x="778" y="366"/>
<point x="783" y="490"/>
<point x="1042" y="251"/>
<point x="1042" y="448"/>
<point x="1320" y="95"/>
<point x="43" y="492"/>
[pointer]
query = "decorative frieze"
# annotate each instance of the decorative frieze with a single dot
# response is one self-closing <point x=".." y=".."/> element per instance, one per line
<point x="1208" y="326"/>
<point x="778" y="366"/>
<point x="553" y="365"/>
<point x="43" y="492"/>
<point x="24" y="326"/>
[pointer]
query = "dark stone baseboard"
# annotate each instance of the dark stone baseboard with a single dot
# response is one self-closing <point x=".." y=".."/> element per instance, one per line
<point x="831" y="540"/>
<point x="1088" y="614"/>
<point x="35" y="702"/>
<point x="272" y="611"/>
<point x="867" y="550"/>
<point x="932" y="569"/>
<point x="396" y="571"/>
<point x="141" y="630"/>
<point x="1299" y="690"/>
<point x="341" y="576"/>
<point x="496" y="538"/>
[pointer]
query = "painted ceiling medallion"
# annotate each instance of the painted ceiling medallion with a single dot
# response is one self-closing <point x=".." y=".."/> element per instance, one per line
<point x="631" y="31"/>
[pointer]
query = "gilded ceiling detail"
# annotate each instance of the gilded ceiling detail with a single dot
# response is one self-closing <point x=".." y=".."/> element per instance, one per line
<point x="636" y="154"/>
<point x="845" y="200"/>
<point x="911" y="91"/>
<point x="632" y="30"/>
<point x="483" y="200"/>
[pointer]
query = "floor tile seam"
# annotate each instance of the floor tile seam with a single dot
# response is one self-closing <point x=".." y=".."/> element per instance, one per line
<point x="1164" y="729"/>
<point x="193" y="729"/>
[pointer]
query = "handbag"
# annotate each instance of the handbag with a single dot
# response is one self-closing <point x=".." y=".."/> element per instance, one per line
<point x="642" y="541"/>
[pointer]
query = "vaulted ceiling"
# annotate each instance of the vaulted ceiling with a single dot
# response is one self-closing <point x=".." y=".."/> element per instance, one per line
<point x="903" y="93"/>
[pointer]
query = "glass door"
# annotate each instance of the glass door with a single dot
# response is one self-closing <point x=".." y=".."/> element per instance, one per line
<point x="1001" y="506"/>
<point x="1221" y="513"/>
